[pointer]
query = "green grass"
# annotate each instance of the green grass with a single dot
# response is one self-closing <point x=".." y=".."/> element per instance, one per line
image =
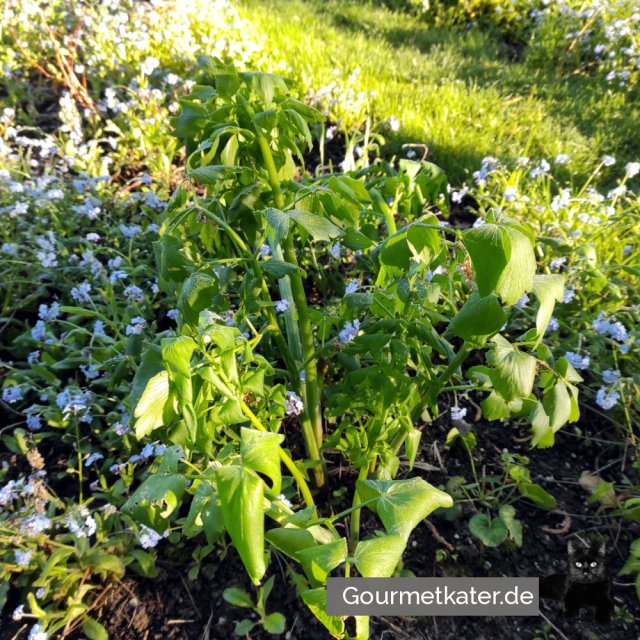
<point x="458" y="92"/>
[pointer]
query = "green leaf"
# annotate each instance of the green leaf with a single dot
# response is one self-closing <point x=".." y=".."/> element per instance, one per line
<point x="279" y="269"/>
<point x="155" y="500"/>
<point x="514" y="526"/>
<point x="549" y="289"/>
<point x="378" y="557"/>
<point x="177" y="353"/>
<point x="402" y="504"/>
<point x="319" y="228"/>
<point x="494" y="407"/>
<point x="515" y="371"/>
<point x="150" y="406"/>
<point x="214" y="173"/>
<point x="542" y="432"/>
<point x="260" y="451"/>
<point x="316" y="600"/>
<point x="290" y="540"/>
<point x="488" y="255"/>
<point x="319" y="560"/>
<point x="197" y="295"/>
<point x="94" y="630"/>
<point x="274" y="623"/>
<point x="237" y="597"/>
<point x="241" y="497"/>
<point x="278" y="224"/>
<point x="244" y="627"/>
<point x="491" y="533"/>
<point x="557" y="405"/>
<point x="415" y="240"/>
<point x="204" y="514"/>
<point x="537" y="494"/>
<point x="411" y="446"/>
<point x="517" y="277"/>
<point x="478" y="317"/>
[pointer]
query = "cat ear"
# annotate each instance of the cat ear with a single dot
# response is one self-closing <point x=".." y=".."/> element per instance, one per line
<point x="571" y="547"/>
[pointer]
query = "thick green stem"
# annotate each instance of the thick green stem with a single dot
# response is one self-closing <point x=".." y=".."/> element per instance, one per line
<point x="354" y="524"/>
<point x="312" y="396"/>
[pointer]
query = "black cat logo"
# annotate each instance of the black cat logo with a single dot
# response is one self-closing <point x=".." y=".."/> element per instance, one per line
<point x="587" y="583"/>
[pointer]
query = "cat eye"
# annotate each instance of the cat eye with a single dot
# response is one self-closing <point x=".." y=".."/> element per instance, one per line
<point x="594" y="564"/>
<point x="578" y="564"/>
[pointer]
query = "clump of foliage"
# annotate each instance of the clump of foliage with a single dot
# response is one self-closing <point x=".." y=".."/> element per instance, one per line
<point x="403" y="301"/>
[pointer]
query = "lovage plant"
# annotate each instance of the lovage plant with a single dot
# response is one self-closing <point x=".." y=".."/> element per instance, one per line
<point x="323" y="315"/>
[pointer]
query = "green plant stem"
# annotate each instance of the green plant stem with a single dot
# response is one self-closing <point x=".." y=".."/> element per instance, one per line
<point x="439" y="383"/>
<point x="354" y="524"/>
<point x="312" y="397"/>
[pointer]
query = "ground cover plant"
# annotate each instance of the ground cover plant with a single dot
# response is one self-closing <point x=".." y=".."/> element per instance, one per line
<point x="292" y="327"/>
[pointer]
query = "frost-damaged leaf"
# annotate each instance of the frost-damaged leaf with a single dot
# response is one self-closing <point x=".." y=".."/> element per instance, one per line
<point x="478" y="317"/>
<point x="402" y="504"/>
<point x="549" y="289"/>
<point x="488" y="255"/>
<point x="491" y="533"/>
<point x="515" y="371"/>
<point x="150" y="406"/>
<point x="241" y="498"/>
<point x="517" y="277"/>
<point x="155" y="500"/>
<point x="319" y="560"/>
<point x="260" y="451"/>
<point x="378" y="557"/>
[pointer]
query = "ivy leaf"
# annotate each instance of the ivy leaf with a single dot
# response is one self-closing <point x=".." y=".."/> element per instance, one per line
<point x="488" y="255"/>
<point x="492" y="533"/>
<point x="150" y="406"/>
<point x="515" y="371"/>
<point x="241" y="496"/>
<point x="378" y="557"/>
<point x="402" y="504"/>
<point x="478" y="317"/>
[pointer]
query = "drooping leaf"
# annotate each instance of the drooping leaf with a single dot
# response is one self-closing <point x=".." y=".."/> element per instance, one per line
<point x="549" y="289"/>
<point x="488" y="255"/>
<point x="316" y="600"/>
<point x="260" y="451"/>
<point x="148" y="412"/>
<point x="478" y="317"/>
<point x="515" y="371"/>
<point x="517" y="277"/>
<point x="241" y="498"/>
